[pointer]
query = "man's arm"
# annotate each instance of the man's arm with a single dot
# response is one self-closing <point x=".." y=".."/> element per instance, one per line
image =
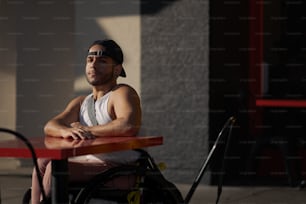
<point x="60" y="125"/>
<point x="125" y="109"/>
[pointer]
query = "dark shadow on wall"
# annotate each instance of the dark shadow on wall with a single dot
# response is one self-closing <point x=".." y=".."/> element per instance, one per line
<point x="228" y="74"/>
<point x="154" y="6"/>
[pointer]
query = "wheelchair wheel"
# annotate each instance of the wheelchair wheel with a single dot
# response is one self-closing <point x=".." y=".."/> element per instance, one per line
<point x="27" y="197"/>
<point x="153" y="190"/>
<point x="157" y="191"/>
<point x="97" y="191"/>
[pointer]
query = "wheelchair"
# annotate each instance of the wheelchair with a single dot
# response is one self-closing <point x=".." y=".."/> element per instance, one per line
<point x="150" y="186"/>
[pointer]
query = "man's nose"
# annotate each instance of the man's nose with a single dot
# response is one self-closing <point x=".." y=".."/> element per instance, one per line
<point x="94" y="62"/>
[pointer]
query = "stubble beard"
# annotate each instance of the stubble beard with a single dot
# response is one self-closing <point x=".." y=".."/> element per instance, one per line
<point x="101" y="81"/>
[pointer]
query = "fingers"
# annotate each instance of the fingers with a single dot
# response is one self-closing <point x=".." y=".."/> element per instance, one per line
<point x="88" y="135"/>
<point x="79" y="133"/>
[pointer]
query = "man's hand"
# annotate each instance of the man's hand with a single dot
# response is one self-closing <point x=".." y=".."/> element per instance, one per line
<point x="55" y="142"/>
<point x="77" y="132"/>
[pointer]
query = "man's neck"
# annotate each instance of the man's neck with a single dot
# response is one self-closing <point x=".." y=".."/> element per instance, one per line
<point x="99" y="91"/>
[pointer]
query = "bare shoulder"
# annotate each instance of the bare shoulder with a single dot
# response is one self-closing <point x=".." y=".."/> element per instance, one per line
<point x="78" y="99"/>
<point x="124" y="89"/>
<point x="76" y="102"/>
<point x="124" y="93"/>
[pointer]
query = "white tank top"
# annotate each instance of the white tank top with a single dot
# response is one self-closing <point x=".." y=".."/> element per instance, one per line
<point x="101" y="113"/>
<point x="102" y="117"/>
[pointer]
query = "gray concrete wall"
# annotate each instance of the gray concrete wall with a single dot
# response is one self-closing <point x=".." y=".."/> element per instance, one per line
<point x="45" y="53"/>
<point x="36" y="55"/>
<point x="175" y="83"/>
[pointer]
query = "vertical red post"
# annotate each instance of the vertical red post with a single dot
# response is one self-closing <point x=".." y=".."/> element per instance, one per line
<point x="256" y="33"/>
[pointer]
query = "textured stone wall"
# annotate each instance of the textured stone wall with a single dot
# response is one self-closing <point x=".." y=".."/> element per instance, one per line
<point x="174" y="83"/>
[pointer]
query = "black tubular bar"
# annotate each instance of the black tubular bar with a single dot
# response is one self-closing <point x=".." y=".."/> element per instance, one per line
<point x="206" y="162"/>
<point x="34" y="157"/>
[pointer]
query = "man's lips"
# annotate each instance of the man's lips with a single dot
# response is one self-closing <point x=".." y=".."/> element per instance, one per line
<point x="92" y="74"/>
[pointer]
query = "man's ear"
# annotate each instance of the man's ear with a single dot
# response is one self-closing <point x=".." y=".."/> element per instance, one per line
<point x="117" y="69"/>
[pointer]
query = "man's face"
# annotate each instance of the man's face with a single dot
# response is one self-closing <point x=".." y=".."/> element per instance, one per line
<point x="99" y="69"/>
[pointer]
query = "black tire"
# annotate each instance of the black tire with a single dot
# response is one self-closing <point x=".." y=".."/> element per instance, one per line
<point x="155" y="190"/>
<point x="27" y="197"/>
<point x="96" y="188"/>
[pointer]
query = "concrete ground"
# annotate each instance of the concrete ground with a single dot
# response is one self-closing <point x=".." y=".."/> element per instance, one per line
<point x="247" y="195"/>
<point x="14" y="182"/>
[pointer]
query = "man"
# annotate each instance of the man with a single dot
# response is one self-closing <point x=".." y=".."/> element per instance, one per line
<point x="110" y="110"/>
